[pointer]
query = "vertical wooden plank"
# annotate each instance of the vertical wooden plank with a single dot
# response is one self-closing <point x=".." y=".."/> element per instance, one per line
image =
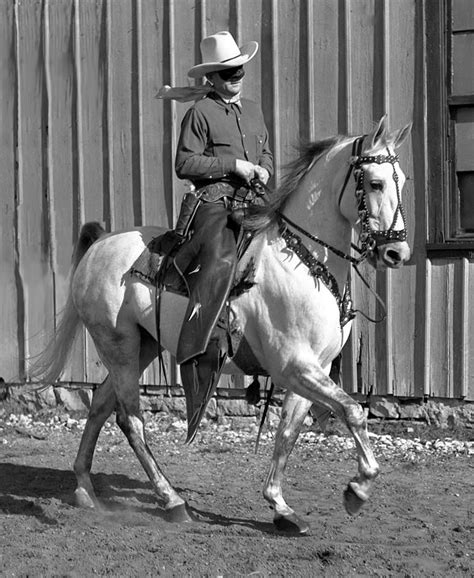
<point x="469" y="328"/>
<point x="247" y="27"/>
<point x="403" y="348"/>
<point x="289" y="83"/>
<point x="360" y="102"/>
<point x="11" y="305"/>
<point x="325" y="23"/>
<point x="276" y="91"/>
<point x="123" y="175"/>
<point x="218" y="16"/>
<point x="420" y="228"/>
<point x="384" y="331"/>
<point x="363" y="81"/>
<point x="184" y="53"/>
<point x="91" y="66"/>
<point x="345" y="62"/>
<point x="62" y="155"/>
<point x="441" y="353"/>
<point x="151" y="56"/>
<point x="33" y="210"/>
<point x="156" y="157"/>
<point x="427" y="329"/>
<point x="401" y="21"/>
<point x="350" y="355"/>
<point x="461" y="337"/>
<point x="308" y="29"/>
<point x="92" y="199"/>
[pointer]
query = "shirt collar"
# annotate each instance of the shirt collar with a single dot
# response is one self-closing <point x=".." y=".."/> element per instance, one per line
<point x="229" y="101"/>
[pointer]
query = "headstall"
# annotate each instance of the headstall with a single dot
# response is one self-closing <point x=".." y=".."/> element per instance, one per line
<point x="369" y="238"/>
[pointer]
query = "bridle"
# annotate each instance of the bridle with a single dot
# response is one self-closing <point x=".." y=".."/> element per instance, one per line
<point x="370" y="238"/>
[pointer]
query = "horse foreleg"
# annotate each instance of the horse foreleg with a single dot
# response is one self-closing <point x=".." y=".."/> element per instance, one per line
<point x="311" y="382"/>
<point x="103" y="403"/>
<point x="295" y="409"/>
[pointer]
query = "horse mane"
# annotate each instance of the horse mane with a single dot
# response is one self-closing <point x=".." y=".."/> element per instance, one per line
<point x="260" y="217"/>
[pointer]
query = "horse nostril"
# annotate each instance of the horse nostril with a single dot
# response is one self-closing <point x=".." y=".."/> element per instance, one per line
<point x="393" y="256"/>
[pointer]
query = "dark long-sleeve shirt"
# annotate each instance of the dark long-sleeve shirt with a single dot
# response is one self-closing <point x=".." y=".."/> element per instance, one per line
<point x="214" y="134"/>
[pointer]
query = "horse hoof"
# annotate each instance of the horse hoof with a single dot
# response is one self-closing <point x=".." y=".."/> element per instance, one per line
<point x="352" y="502"/>
<point x="83" y="500"/>
<point x="291" y="524"/>
<point x="178" y="514"/>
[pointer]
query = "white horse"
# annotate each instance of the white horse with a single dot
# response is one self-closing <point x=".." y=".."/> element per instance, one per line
<point x="290" y="317"/>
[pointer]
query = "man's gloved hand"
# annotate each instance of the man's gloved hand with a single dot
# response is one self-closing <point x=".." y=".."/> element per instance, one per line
<point x="245" y="170"/>
<point x="262" y="174"/>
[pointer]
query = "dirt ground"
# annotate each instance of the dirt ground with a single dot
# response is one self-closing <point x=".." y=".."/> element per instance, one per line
<point x="419" y="522"/>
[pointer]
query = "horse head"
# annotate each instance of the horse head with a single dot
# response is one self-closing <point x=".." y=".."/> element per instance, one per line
<point x="375" y="205"/>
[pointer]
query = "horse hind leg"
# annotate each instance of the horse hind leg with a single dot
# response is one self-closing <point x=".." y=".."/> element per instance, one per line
<point x="294" y="410"/>
<point x="103" y="403"/>
<point x="130" y="421"/>
<point x="102" y="406"/>
<point x="125" y="376"/>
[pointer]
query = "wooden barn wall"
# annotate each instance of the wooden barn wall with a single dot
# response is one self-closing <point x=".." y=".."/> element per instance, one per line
<point x="83" y="138"/>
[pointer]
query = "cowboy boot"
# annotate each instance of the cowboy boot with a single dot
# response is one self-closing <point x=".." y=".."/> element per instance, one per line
<point x="200" y="377"/>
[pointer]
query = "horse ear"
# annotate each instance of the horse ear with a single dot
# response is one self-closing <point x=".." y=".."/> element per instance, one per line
<point x="378" y="134"/>
<point x="400" y="136"/>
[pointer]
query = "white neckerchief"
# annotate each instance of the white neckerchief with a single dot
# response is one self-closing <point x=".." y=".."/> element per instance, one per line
<point x="233" y="100"/>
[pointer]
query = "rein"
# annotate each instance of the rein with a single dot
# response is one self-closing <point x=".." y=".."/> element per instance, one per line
<point x="337" y="252"/>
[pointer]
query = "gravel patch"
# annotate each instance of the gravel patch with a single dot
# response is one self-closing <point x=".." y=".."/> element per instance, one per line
<point x="174" y="431"/>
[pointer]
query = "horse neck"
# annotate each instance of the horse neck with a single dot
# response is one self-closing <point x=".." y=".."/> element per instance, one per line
<point x="314" y="207"/>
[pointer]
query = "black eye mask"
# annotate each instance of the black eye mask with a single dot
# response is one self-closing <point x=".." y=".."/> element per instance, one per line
<point x="232" y="74"/>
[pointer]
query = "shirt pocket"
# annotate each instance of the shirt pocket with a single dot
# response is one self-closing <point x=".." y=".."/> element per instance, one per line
<point x="221" y="147"/>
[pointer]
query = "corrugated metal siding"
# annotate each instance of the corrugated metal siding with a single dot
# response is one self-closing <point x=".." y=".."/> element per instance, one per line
<point x="83" y="138"/>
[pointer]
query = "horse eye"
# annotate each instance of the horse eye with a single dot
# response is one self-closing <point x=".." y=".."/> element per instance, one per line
<point x="376" y="185"/>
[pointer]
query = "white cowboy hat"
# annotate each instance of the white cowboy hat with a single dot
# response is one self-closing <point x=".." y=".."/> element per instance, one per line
<point x="220" y="51"/>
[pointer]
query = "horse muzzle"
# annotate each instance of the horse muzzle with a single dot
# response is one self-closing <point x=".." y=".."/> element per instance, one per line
<point x="390" y="255"/>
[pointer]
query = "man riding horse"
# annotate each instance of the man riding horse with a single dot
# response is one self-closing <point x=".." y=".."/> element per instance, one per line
<point x="223" y="146"/>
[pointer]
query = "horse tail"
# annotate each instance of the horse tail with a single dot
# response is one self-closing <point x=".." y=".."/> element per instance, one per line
<point x="48" y="365"/>
<point x="88" y="235"/>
